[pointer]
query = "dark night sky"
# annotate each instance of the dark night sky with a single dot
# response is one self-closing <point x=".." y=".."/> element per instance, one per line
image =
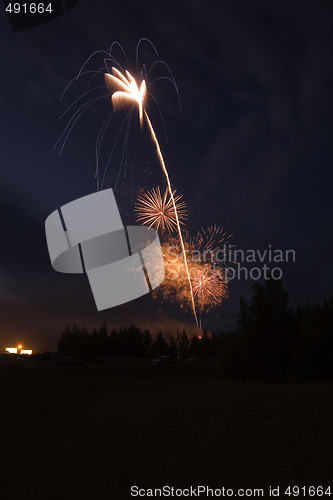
<point x="252" y="151"/>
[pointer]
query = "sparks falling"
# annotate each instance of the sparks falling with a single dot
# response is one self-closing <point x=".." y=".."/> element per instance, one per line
<point x="156" y="210"/>
<point x="125" y="90"/>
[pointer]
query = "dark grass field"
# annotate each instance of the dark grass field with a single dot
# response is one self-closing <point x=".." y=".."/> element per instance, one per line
<point x="92" y="432"/>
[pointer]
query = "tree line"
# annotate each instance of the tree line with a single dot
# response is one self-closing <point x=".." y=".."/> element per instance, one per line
<point x="132" y="342"/>
<point x="273" y="342"/>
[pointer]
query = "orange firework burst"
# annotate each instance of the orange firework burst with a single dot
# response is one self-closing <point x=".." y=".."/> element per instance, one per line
<point x="208" y="280"/>
<point x="208" y="286"/>
<point x="156" y="210"/>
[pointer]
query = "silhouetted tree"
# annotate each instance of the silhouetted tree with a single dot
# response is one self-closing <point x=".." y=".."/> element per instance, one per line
<point x="134" y="342"/>
<point x="147" y="343"/>
<point x="98" y="341"/>
<point x="184" y="345"/>
<point x="265" y="327"/>
<point x="73" y="340"/>
<point x="173" y="347"/>
<point x="205" y="346"/>
<point x="194" y="346"/>
<point x="160" y="346"/>
<point x="313" y="355"/>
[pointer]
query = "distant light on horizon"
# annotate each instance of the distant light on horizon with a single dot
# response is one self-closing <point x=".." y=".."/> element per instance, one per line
<point x="18" y="350"/>
<point x="11" y="350"/>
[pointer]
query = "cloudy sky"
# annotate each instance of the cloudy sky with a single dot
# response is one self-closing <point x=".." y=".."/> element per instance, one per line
<point x="251" y="151"/>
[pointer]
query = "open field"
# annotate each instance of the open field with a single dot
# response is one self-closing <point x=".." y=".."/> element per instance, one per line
<point x="91" y="432"/>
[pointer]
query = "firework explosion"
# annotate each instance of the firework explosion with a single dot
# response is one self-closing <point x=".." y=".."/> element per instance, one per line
<point x="196" y="283"/>
<point x="205" y="252"/>
<point x="211" y="242"/>
<point x="156" y="210"/>
<point x="208" y="279"/>
<point x="208" y="287"/>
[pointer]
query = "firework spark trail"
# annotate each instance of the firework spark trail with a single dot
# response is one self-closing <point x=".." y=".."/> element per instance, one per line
<point x="70" y="125"/>
<point x="124" y="89"/>
<point x="159" y="153"/>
